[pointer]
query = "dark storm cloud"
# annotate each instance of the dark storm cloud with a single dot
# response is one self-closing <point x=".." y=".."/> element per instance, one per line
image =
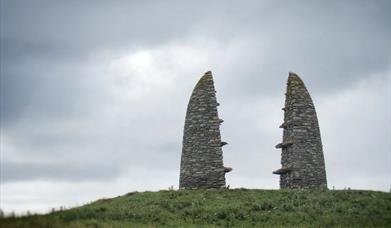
<point x="331" y="44"/>
<point x="91" y="24"/>
<point x="334" y="42"/>
<point x="53" y="102"/>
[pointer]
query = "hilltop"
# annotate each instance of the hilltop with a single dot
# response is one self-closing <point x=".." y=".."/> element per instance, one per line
<point x="223" y="207"/>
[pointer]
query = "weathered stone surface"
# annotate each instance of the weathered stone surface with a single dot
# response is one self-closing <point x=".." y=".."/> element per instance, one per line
<point x="202" y="155"/>
<point x="302" y="153"/>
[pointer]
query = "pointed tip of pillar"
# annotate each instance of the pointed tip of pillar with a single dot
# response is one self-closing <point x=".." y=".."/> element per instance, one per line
<point x="206" y="77"/>
<point x="207" y="74"/>
<point x="293" y="77"/>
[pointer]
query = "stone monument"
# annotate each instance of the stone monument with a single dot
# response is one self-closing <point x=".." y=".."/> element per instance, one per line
<point x="202" y="155"/>
<point x="302" y="154"/>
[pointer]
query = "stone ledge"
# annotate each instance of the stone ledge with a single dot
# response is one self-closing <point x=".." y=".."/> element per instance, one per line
<point x="283" y="170"/>
<point x="223" y="143"/>
<point x="227" y="169"/>
<point x="283" y="125"/>
<point x="284" y="144"/>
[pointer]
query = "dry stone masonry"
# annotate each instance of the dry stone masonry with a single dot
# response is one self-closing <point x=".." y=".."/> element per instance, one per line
<point x="202" y="155"/>
<point x="302" y="154"/>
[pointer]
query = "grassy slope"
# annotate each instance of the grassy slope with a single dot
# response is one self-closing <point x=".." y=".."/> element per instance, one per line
<point x="211" y="208"/>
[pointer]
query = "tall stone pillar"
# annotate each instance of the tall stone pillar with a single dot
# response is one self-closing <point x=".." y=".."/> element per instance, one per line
<point x="202" y="155"/>
<point x="302" y="154"/>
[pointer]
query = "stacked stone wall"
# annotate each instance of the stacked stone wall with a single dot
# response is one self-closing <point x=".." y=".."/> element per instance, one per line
<point x="302" y="157"/>
<point x="202" y="155"/>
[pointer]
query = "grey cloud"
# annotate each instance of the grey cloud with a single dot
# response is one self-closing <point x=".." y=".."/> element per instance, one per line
<point x="334" y="42"/>
<point x="55" y="171"/>
<point x="46" y="93"/>
<point x="331" y="44"/>
<point x="47" y="48"/>
<point x="94" y="24"/>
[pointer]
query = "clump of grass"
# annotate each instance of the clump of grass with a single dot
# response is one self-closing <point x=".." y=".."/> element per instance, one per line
<point x="223" y="207"/>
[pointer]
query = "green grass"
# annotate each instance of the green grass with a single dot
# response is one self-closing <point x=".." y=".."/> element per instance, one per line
<point x="224" y="208"/>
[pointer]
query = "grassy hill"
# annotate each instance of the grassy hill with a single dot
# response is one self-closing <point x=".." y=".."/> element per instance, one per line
<point x="222" y="207"/>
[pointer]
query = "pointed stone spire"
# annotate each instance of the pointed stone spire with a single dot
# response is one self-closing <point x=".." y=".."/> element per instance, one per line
<point x="202" y="155"/>
<point x="302" y="153"/>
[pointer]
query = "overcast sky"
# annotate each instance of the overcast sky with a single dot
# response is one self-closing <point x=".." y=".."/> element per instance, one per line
<point x="94" y="93"/>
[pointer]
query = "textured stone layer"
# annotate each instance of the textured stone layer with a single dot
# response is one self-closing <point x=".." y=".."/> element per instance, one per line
<point x="202" y="155"/>
<point x="302" y="157"/>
